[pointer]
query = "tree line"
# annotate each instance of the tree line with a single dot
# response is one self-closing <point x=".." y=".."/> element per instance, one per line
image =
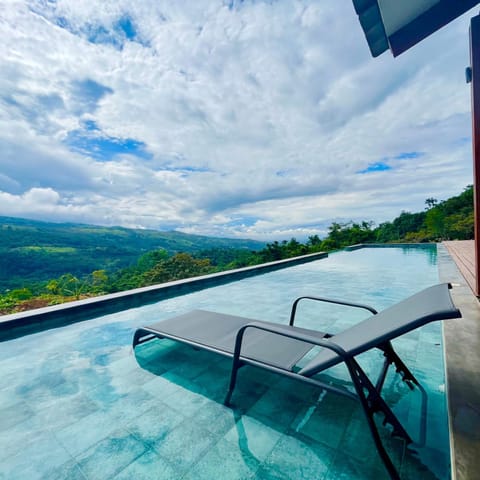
<point x="441" y="220"/>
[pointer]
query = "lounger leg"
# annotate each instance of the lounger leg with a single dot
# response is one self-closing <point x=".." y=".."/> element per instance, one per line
<point x="392" y="357"/>
<point x="372" y="403"/>
<point x="233" y="379"/>
<point x="383" y="375"/>
<point x="142" y="336"/>
<point x="137" y="337"/>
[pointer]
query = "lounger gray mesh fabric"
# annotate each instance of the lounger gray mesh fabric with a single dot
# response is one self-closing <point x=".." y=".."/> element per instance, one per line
<point x="217" y="332"/>
<point x="431" y="304"/>
<point x="278" y="348"/>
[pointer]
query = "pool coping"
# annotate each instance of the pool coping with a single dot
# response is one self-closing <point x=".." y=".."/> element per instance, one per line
<point x="24" y="323"/>
<point x="358" y="246"/>
<point x="462" y="364"/>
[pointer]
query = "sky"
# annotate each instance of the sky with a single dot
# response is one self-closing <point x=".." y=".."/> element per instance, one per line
<point x="261" y="119"/>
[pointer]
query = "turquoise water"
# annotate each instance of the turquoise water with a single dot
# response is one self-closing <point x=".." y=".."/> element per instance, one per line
<point x="76" y="402"/>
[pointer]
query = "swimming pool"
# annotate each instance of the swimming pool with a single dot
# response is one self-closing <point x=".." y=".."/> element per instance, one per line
<point x="75" y="402"/>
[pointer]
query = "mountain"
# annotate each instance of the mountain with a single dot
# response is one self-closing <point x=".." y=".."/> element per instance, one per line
<point x="33" y="251"/>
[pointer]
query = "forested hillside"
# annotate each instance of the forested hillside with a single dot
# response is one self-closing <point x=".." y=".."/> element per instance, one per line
<point x="33" y="252"/>
<point x="451" y="219"/>
<point x="43" y="264"/>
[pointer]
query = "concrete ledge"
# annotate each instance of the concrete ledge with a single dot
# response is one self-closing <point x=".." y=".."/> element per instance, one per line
<point x="24" y="323"/>
<point x="462" y="358"/>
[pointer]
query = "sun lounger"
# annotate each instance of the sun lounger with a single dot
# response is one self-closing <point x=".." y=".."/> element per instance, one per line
<point x="279" y="348"/>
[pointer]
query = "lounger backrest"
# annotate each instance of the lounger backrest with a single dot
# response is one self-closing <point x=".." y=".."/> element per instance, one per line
<point x="433" y="303"/>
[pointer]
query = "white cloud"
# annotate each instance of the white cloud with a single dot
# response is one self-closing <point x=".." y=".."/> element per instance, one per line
<point x="251" y="121"/>
<point x="40" y="200"/>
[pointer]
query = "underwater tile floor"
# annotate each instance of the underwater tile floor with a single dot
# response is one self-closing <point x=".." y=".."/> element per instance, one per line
<point x="77" y="403"/>
<point x="159" y="414"/>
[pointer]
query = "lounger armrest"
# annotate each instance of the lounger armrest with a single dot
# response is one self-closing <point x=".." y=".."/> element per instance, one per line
<point x="327" y="300"/>
<point x="286" y="332"/>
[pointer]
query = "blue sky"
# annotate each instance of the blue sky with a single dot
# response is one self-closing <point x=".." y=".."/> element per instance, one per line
<point x="259" y="119"/>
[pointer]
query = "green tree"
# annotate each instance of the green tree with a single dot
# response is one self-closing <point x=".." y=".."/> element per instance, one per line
<point x="408" y="222"/>
<point x="99" y="281"/>
<point x="273" y="251"/>
<point x="343" y="234"/>
<point x="150" y="259"/>
<point x="314" y="241"/>
<point x="20" y="294"/>
<point x="435" y="223"/>
<point x="67" y="285"/>
<point x="460" y="227"/>
<point x="181" y="265"/>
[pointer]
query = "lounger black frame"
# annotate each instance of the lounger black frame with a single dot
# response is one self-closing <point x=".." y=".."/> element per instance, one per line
<point x="367" y="393"/>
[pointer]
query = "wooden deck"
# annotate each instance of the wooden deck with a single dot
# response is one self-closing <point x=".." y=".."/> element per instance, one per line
<point x="463" y="253"/>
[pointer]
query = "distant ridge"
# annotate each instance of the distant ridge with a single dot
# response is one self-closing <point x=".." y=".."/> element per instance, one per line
<point x="34" y="251"/>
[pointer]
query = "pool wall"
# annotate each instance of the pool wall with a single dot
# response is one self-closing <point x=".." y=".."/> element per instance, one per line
<point x="358" y="246"/>
<point x="24" y="323"/>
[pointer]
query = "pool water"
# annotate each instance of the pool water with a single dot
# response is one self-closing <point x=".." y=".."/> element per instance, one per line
<point x="77" y="403"/>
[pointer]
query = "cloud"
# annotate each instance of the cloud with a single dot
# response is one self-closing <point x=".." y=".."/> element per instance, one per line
<point x="40" y="200"/>
<point x="228" y="118"/>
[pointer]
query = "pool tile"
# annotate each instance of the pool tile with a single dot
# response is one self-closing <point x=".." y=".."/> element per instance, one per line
<point x="79" y="436"/>
<point x="224" y="460"/>
<point x="17" y="413"/>
<point x="408" y="350"/>
<point x="21" y="436"/>
<point x="10" y="449"/>
<point x="278" y="409"/>
<point x="194" y="364"/>
<point x="358" y="444"/>
<point x="253" y="437"/>
<point x="294" y="458"/>
<point x="436" y="431"/>
<point x="185" y="444"/>
<point x="130" y="381"/>
<point x="147" y="467"/>
<point x="264" y="473"/>
<point x="123" y="366"/>
<point x="213" y="381"/>
<point x="326" y="420"/>
<point x="69" y="470"/>
<point x="216" y="417"/>
<point x="43" y="392"/>
<point x="110" y="456"/>
<point x="169" y="358"/>
<point x="154" y="367"/>
<point x="105" y="395"/>
<point x="161" y="387"/>
<point x="247" y="392"/>
<point x="126" y="407"/>
<point x="262" y="377"/>
<point x="34" y="461"/>
<point x="414" y="465"/>
<point x="399" y="396"/>
<point x="305" y="393"/>
<point x="186" y="402"/>
<point x="64" y="411"/>
<point x="158" y="351"/>
<point x="154" y="424"/>
<point x="344" y="467"/>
